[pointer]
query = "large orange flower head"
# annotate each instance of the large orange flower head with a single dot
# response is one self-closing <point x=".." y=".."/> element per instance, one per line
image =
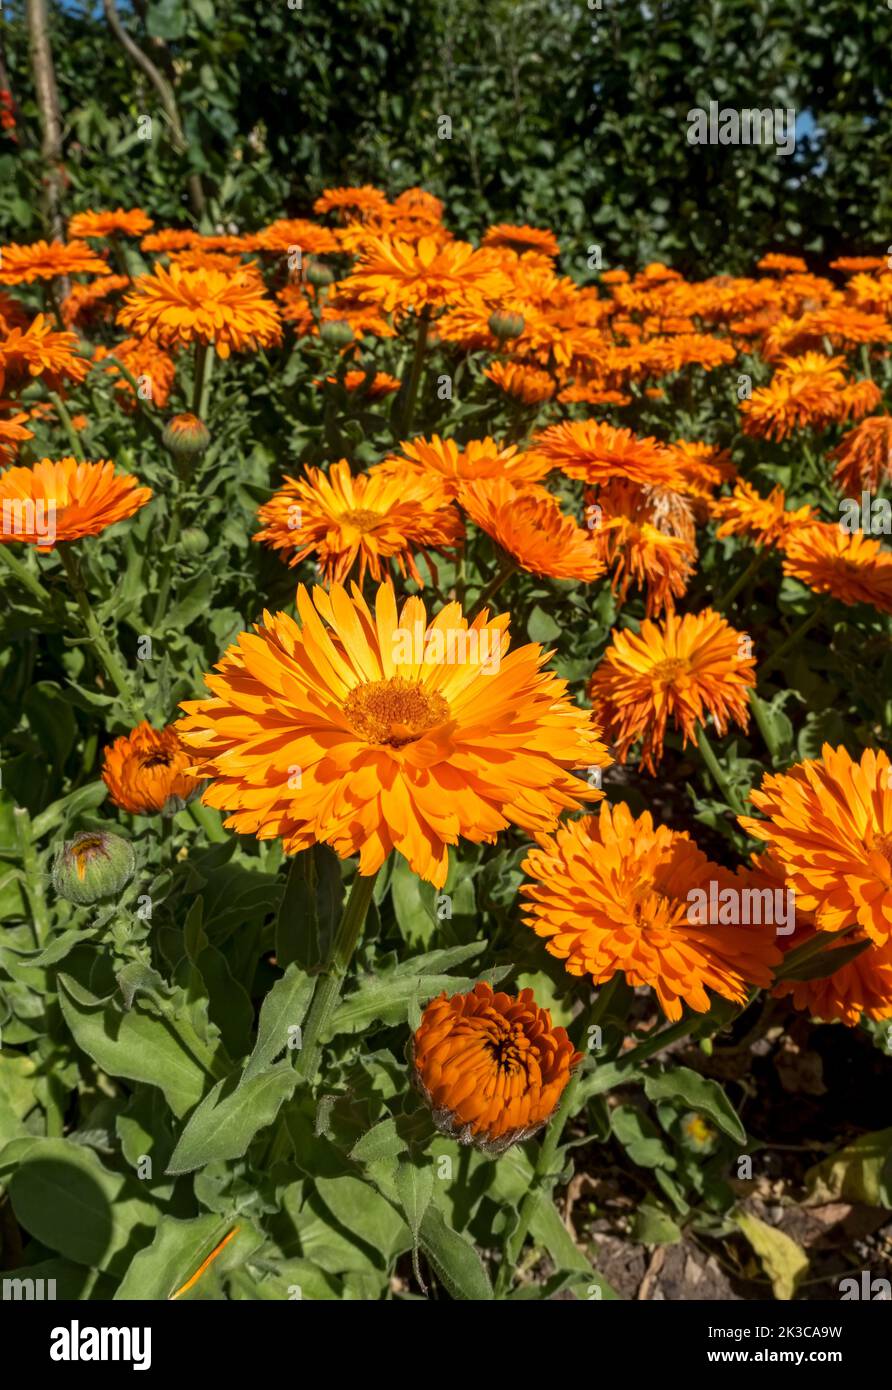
<point x="848" y="565"/>
<point x="370" y="518"/>
<point x="145" y="771"/>
<point x="828" y="821"/>
<point x="531" y="529"/>
<point x="397" y="274"/>
<point x="47" y="260"/>
<point x="522" y="239"/>
<point x="176" y="307"/>
<point x="120" y="222"/>
<point x="599" y="453"/>
<point x="373" y="731"/>
<point x="683" y="669"/>
<point x="613" y="892"/>
<point x="491" y="1066"/>
<point x="647" y="535"/>
<point x="64" y="500"/>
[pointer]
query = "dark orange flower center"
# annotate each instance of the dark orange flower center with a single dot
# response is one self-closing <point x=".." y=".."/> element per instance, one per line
<point x="394" y="711"/>
<point x="509" y="1048"/>
<point x="156" y="759"/>
<point x="668" y="669"/>
<point x="883" y="845"/>
<point x="362" y="518"/>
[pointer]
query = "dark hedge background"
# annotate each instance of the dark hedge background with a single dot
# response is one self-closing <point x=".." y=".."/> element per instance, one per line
<point x="562" y="115"/>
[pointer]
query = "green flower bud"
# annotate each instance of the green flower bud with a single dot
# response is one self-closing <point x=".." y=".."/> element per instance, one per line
<point x="318" y="274"/>
<point x="506" y="325"/>
<point x="336" y="333"/>
<point x="194" y="540"/>
<point x="92" y="866"/>
<point x="186" y="435"/>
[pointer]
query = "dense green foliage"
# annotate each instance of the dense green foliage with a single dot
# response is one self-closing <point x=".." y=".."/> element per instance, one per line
<point x="569" y="116"/>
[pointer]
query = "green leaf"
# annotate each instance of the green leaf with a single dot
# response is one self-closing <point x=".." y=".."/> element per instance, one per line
<point x="654" y="1226"/>
<point x="827" y="963"/>
<point x="283" y="1010"/>
<point x="697" y="1093"/>
<point x="785" y="1262"/>
<point x="456" y="1262"/>
<point x="69" y="1201"/>
<point x="414" y="904"/>
<point x="390" y="999"/>
<point x="364" y="1213"/>
<point x="860" y="1172"/>
<point x="173" y="1257"/>
<point x="381" y="1142"/>
<point x="415" y="1187"/>
<point x="76" y="803"/>
<point x="137" y="1045"/>
<point x="640" y="1138"/>
<point x="228" y="1118"/>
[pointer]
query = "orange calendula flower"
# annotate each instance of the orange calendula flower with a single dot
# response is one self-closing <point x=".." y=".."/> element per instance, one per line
<point x="39" y="350"/>
<point x="170" y="239"/>
<point x="599" y="453"/>
<point x="523" y="238"/>
<point x="491" y="1067"/>
<point x="861" y="988"/>
<point x="864" y="455"/>
<point x="145" y="771"/>
<point x="766" y="520"/>
<point x="176" y="307"/>
<point x="86" y="302"/>
<point x="530" y="527"/>
<point x="850" y="566"/>
<point x="683" y="669"/>
<point x="828" y="822"/>
<point x="806" y="391"/>
<point x="13" y="430"/>
<point x="646" y="536"/>
<point x="358" y="201"/>
<point x="64" y="500"/>
<point x="379" y="731"/>
<point x="396" y="274"/>
<point x="47" y="260"/>
<point x="776" y="260"/>
<point x="120" y="222"/>
<point x="369" y="518"/>
<point x="456" y="464"/>
<point x="291" y="234"/>
<point x="612" y="892"/>
<point x="529" y="384"/>
<point x="150" y="365"/>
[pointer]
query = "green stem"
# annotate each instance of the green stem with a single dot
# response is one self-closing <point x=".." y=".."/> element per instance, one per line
<point x="173" y="535"/>
<point x="707" y="753"/>
<point x="33" y="882"/>
<point x="489" y="590"/>
<point x="204" y="365"/>
<point x="543" y="1174"/>
<point x="327" y="993"/>
<point x="100" y="644"/>
<point x="424" y="319"/>
<point x="24" y="575"/>
<point x="208" y="822"/>
<point x="62" y="411"/>
<point x="749" y="573"/>
<point x="764" y="726"/>
<point x="660" y="1039"/>
<point x="795" y="637"/>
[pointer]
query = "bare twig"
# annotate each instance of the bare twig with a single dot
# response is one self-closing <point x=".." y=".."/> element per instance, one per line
<point x="165" y="92"/>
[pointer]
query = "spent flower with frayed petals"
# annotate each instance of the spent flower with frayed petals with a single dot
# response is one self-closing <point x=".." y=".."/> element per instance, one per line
<point x="491" y="1067"/>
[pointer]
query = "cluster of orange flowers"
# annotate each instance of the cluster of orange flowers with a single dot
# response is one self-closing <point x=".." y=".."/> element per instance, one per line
<point x="414" y="730"/>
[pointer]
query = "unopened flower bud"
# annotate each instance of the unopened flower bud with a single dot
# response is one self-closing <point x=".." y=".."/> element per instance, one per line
<point x="194" y="540"/>
<point x="336" y="333"/>
<point x="505" y="325"/>
<point x="186" y="435"/>
<point x="318" y="274"/>
<point x="92" y="866"/>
